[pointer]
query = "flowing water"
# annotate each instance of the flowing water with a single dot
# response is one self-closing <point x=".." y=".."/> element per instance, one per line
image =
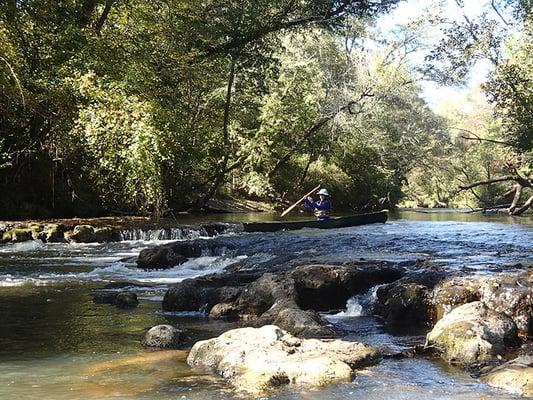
<point x="56" y="343"/>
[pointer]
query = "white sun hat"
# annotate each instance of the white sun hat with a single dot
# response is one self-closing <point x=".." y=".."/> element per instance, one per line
<point x="323" y="192"/>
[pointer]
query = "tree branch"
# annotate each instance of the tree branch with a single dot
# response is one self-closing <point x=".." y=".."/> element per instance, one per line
<point x="239" y="42"/>
<point x="493" y="5"/>
<point x="479" y="138"/>
<point x="487" y="182"/>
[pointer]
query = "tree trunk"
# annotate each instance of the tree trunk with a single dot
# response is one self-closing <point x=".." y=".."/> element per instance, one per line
<point x="101" y="21"/>
<point x="219" y="179"/>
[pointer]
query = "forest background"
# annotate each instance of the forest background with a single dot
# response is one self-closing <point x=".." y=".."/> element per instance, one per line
<point x="136" y="107"/>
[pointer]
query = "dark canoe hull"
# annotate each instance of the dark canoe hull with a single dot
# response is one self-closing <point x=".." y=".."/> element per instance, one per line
<point x="338" y="222"/>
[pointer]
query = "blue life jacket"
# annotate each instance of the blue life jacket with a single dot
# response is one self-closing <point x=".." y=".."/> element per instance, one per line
<point x="320" y="208"/>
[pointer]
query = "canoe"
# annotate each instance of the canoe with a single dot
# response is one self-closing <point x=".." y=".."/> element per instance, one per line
<point x="335" y="222"/>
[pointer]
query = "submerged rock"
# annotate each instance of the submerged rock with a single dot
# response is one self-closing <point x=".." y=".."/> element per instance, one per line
<point x="258" y="359"/>
<point x="472" y="334"/>
<point x="119" y="299"/>
<point x="164" y="337"/>
<point x="515" y="376"/>
<point x="126" y="300"/>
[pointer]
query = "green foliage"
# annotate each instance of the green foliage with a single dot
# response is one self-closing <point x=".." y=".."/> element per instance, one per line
<point x="150" y="106"/>
<point x="511" y="90"/>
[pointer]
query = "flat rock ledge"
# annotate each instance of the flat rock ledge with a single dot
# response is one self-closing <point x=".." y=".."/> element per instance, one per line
<point x="256" y="360"/>
<point x="515" y="376"/>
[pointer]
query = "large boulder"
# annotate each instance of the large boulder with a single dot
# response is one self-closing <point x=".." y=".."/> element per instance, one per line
<point x="255" y="360"/>
<point x="515" y="376"/>
<point x="472" y="334"/>
<point x="163" y="337"/>
<point x="511" y="294"/>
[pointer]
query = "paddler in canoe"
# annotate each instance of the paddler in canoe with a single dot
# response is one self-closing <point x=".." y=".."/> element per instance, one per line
<point x="322" y="207"/>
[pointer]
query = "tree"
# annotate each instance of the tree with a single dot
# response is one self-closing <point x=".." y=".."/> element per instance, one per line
<point x="509" y="87"/>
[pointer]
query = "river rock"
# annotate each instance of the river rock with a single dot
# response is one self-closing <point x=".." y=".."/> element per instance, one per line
<point x="168" y="256"/>
<point x="81" y="234"/>
<point x="106" y="234"/>
<point x="404" y="306"/>
<point x="18" y="235"/>
<point x="472" y="334"/>
<point x="206" y="291"/>
<point x="258" y="359"/>
<point x="163" y="337"/>
<point x="327" y="287"/>
<point x="188" y="295"/>
<point x="126" y="300"/>
<point x="273" y="299"/>
<point x="454" y="292"/>
<point x="54" y="233"/>
<point x="218" y="228"/>
<point x="515" y="376"/>
<point x="511" y="294"/>
<point x="224" y="311"/>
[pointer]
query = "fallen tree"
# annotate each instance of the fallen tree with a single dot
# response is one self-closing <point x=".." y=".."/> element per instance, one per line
<point x="521" y="183"/>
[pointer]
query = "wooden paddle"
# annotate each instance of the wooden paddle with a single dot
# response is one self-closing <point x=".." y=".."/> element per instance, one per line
<point x="288" y="210"/>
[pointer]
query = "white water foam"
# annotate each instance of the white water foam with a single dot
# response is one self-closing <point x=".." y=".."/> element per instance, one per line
<point x="358" y="305"/>
<point x="14" y="281"/>
<point x="119" y="271"/>
<point x="30" y="245"/>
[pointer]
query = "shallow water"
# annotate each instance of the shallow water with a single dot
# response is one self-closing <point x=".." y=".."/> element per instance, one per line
<point x="56" y="343"/>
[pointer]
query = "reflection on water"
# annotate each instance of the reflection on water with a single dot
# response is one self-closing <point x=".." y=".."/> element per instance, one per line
<point x="56" y="343"/>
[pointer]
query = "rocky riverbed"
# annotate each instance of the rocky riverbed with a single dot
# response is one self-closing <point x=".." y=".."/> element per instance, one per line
<point x="478" y="322"/>
<point x="425" y="309"/>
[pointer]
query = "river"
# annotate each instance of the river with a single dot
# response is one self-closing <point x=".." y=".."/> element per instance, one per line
<point x="56" y="343"/>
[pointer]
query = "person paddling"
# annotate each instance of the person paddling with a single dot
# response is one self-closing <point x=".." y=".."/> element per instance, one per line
<point x="321" y="207"/>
